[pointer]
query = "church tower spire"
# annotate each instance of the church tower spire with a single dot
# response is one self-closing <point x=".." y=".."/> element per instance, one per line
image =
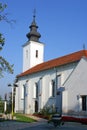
<point x="33" y="35"/>
<point x="33" y="49"/>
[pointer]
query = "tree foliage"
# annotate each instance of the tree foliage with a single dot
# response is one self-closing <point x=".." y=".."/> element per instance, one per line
<point x="4" y="64"/>
<point x="1" y="105"/>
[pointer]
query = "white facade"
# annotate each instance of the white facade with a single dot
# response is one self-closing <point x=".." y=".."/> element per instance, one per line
<point x="44" y="81"/>
<point x="33" y="54"/>
<point x="69" y="89"/>
<point x="76" y="90"/>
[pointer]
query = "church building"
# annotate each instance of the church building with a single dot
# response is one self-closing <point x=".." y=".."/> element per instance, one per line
<point x="59" y="84"/>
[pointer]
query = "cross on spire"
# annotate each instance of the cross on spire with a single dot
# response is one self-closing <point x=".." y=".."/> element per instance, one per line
<point x="33" y="35"/>
<point x="34" y="14"/>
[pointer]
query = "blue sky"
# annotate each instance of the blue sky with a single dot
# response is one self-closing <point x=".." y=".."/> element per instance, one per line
<point x="62" y="25"/>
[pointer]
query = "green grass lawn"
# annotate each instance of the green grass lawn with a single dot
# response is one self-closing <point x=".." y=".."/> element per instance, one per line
<point x="23" y="118"/>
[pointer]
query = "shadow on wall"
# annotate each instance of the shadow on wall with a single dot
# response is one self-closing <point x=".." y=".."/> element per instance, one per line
<point x="50" y="106"/>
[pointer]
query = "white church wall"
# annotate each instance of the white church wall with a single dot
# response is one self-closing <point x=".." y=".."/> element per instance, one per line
<point x="19" y="103"/>
<point x="35" y="46"/>
<point x="16" y="100"/>
<point x="77" y="87"/>
<point x="65" y="101"/>
<point x="30" y="58"/>
<point x="47" y="77"/>
<point x="44" y="98"/>
<point x="26" y="55"/>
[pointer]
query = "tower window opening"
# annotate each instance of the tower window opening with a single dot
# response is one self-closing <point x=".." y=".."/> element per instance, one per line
<point x="26" y="53"/>
<point x="36" y="53"/>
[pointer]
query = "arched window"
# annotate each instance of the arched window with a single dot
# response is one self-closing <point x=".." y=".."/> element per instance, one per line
<point x="36" y="90"/>
<point x="58" y="81"/>
<point x="53" y="88"/>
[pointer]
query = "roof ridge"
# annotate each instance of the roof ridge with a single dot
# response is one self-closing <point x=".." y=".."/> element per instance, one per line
<point x="66" y="59"/>
<point x="85" y="52"/>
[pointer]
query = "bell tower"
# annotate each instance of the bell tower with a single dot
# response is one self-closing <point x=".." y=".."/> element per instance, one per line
<point x="33" y="49"/>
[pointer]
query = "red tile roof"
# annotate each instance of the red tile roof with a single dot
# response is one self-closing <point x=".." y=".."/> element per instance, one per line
<point x="73" y="57"/>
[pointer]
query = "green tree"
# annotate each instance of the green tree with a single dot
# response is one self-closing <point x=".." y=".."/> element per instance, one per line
<point x="1" y="105"/>
<point x="4" y="64"/>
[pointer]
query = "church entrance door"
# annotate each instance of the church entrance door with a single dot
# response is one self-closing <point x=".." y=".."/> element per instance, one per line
<point x="36" y="106"/>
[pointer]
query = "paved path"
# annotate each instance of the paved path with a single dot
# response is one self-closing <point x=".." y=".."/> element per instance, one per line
<point x="14" y="125"/>
<point x="39" y="125"/>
